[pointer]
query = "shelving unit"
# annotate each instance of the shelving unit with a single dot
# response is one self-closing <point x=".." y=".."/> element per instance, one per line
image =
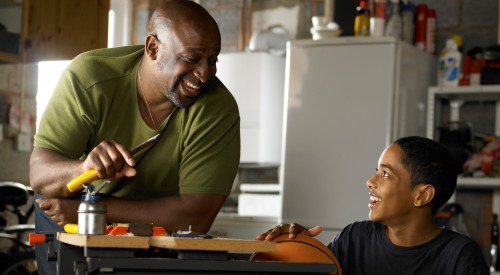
<point x="439" y="97"/>
<point x="490" y="93"/>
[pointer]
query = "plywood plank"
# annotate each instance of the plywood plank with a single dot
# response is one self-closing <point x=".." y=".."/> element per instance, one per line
<point x="215" y="244"/>
<point x="104" y="241"/>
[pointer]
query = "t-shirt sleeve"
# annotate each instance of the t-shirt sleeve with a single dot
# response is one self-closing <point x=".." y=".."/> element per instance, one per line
<point x="65" y="126"/>
<point x="471" y="261"/>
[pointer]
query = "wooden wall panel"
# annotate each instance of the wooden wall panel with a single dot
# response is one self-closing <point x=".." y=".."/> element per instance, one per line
<point x="62" y="29"/>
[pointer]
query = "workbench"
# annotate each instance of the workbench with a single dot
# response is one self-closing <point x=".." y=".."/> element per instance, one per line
<point x="92" y="254"/>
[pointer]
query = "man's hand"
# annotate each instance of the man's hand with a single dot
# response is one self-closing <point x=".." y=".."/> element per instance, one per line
<point x="292" y="229"/>
<point x="61" y="211"/>
<point x="111" y="160"/>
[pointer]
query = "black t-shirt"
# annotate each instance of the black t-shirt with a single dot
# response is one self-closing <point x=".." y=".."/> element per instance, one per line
<point x="363" y="248"/>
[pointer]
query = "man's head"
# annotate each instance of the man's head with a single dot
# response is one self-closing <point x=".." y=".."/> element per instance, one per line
<point x="429" y="161"/>
<point x="181" y="50"/>
<point x="414" y="176"/>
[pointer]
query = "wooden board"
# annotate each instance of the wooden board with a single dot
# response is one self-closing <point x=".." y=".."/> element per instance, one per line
<point x="215" y="244"/>
<point x="104" y="241"/>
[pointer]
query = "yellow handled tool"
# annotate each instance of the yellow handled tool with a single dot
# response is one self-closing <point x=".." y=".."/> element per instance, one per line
<point x="92" y="175"/>
<point x="77" y="183"/>
<point x="71" y="228"/>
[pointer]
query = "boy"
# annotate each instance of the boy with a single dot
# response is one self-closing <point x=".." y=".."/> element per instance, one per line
<point x="414" y="178"/>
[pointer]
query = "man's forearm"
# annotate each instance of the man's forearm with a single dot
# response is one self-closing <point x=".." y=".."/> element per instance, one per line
<point x="49" y="173"/>
<point x="172" y="213"/>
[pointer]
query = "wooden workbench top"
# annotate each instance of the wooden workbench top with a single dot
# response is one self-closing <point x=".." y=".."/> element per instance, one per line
<point x="177" y="243"/>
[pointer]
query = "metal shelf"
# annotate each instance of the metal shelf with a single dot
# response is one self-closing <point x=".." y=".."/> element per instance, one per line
<point x="480" y="93"/>
<point x="478" y="183"/>
<point x="466" y="93"/>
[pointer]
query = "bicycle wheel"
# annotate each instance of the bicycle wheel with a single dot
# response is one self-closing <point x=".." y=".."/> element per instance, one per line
<point x="22" y="263"/>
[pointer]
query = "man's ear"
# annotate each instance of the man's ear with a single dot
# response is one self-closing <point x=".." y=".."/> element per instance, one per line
<point x="151" y="46"/>
<point x="424" y="194"/>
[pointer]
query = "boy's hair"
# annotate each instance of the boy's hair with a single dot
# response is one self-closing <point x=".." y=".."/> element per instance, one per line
<point x="429" y="161"/>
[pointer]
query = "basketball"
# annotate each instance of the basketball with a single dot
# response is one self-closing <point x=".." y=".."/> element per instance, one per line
<point x="301" y="249"/>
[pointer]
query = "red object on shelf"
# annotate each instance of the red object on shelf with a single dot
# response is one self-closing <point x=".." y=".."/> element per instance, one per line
<point x="465" y="80"/>
<point x="421" y="26"/>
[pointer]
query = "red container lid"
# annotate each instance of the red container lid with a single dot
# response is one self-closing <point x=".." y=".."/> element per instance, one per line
<point x="431" y="13"/>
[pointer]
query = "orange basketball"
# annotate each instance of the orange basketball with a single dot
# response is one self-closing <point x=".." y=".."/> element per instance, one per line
<point x="301" y="249"/>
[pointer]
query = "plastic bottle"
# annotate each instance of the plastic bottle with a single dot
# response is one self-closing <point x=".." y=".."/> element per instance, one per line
<point x="362" y="19"/>
<point x="430" y="32"/>
<point x="449" y="65"/>
<point x="408" y="17"/>
<point x="421" y="26"/>
<point x="459" y="40"/>
<point x="394" y="24"/>
<point x="379" y="18"/>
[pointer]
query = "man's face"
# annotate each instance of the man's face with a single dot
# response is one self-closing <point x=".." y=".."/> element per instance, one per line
<point x="186" y="61"/>
<point x="391" y="198"/>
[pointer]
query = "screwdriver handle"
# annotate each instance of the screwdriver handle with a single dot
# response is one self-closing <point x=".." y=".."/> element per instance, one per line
<point x="87" y="177"/>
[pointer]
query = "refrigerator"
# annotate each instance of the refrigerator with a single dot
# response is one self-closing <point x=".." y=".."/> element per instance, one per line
<point x="256" y="80"/>
<point x="345" y="100"/>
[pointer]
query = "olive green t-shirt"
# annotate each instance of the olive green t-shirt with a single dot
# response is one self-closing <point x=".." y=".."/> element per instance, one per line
<point x="96" y="100"/>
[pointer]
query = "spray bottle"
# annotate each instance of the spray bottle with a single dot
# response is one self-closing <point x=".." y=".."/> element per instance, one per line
<point x="449" y="65"/>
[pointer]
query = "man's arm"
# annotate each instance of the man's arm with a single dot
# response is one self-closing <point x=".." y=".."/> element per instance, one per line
<point x="51" y="171"/>
<point x="173" y="213"/>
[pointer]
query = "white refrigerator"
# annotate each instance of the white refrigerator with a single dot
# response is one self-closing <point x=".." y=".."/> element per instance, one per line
<point x="346" y="99"/>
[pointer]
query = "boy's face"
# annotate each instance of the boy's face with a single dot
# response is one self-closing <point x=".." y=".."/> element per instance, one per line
<point x="391" y="198"/>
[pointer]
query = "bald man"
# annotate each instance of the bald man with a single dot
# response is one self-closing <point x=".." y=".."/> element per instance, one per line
<point x="109" y="100"/>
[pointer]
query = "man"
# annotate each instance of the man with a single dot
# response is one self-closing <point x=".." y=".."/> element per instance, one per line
<point x="414" y="178"/>
<point x="110" y="100"/>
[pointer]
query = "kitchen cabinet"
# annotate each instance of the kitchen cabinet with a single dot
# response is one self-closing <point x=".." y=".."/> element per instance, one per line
<point x="440" y="96"/>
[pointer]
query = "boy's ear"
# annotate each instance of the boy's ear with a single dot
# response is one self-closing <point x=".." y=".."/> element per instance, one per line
<point x="424" y="194"/>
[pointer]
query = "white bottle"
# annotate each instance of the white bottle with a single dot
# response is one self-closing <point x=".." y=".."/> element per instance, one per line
<point x="395" y="23"/>
<point x="449" y="65"/>
<point x="378" y="24"/>
<point x="408" y="17"/>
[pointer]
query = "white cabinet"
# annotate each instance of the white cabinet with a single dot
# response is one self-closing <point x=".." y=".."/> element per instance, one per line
<point x="437" y="96"/>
